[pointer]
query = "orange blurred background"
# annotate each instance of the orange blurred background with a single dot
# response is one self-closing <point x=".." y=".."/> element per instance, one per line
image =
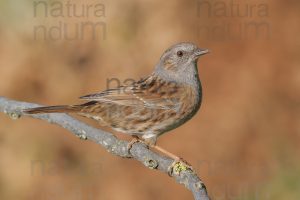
<point x="244" y="142"/>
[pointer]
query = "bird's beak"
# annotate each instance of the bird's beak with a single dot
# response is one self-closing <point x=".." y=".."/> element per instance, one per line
<point x="199" y="52"/>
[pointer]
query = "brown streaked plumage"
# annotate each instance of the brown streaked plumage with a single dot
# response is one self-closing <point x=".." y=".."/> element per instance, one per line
<point x="167" y="98"/>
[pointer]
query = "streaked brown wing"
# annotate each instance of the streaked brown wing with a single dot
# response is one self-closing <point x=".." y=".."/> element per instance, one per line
<point x="150" y="92"/>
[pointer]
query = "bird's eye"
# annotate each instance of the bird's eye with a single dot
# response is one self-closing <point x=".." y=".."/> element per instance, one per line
<point x="179" y="53"/>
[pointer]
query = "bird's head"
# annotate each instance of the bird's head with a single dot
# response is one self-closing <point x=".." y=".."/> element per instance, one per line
<point x="180" y="56"/>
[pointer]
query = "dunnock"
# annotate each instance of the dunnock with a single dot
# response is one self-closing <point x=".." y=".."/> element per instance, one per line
<point x="166" y="99"/>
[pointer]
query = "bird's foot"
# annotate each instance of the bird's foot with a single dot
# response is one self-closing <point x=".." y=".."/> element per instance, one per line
<point x="135" y="139"/>
<point x="178" y="165"/>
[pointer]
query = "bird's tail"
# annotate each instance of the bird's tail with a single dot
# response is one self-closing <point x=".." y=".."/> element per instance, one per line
<point x="53" y="109"/>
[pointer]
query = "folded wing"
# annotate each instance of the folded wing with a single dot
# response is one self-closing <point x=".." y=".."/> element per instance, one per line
<point x="150" y="92"/>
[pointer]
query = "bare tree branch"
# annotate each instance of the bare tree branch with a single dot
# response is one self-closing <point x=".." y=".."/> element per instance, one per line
<point x="139" y="151"/>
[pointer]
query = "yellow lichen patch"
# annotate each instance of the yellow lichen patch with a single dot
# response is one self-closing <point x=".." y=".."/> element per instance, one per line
<point x="178" y="167"/>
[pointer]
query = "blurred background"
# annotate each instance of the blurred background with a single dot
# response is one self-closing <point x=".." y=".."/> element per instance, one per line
<point x="244" y="142"/>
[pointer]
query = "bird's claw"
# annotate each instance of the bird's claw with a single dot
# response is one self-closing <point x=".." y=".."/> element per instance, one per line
<point x="134" y="140"/>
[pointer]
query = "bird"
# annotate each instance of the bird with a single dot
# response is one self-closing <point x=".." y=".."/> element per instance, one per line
<point x="150" y="107"/>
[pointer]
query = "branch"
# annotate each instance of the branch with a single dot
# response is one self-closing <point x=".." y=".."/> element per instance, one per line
<point x="139" y="151"/>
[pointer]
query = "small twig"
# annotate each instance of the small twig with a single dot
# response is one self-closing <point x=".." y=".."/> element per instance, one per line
<point x="139" y="151"/>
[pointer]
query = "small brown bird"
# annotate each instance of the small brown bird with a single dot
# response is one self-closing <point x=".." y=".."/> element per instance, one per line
<point x="167" y="98"/>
